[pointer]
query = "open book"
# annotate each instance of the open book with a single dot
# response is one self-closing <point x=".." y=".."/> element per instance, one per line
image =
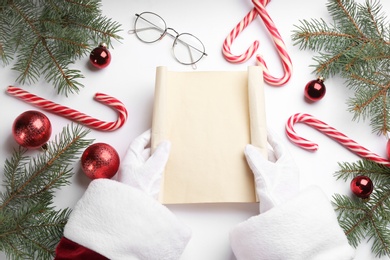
<point x="209" y="117"/>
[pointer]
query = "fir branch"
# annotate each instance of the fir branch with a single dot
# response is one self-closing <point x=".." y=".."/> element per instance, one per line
<point x="48" y="36"/>
<point x="371" y="100"/>
<point x="30" y="227"/>
<point x="6" y="51"/>
<point x="376" y="172"/>
<point x="345" y="13"/>
<point x="33" y="233"/>
<point x="37" y="176"/>
<point x="357" y="47"/>
<point x="87" y="5"/>
<point x="366" y="219"/>
<point x="357" y="30"/>
<point x="351" y="217"/>
<point x="315" y="34"/>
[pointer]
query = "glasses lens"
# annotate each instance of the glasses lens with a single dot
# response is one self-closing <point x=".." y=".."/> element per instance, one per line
<point x="149" y="27"/>
<point x="188" y="49"/>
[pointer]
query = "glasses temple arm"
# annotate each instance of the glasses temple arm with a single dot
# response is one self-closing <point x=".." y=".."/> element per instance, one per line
<point x="132" y="31"/>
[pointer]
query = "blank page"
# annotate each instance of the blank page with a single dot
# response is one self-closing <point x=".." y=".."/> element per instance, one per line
<point x="209" y="117"/>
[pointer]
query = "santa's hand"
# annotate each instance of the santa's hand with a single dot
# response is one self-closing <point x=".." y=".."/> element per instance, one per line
<point x="276" y="179"/>
<point x="141" y="169"/>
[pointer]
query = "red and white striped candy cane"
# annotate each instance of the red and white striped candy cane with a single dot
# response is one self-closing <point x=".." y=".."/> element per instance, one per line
<point x="280" y="47"/>
<point x="75" y="115"/>
<point x="233" y="35"/>
<point x="260" y="10"/>
<point x="331" y="132"/>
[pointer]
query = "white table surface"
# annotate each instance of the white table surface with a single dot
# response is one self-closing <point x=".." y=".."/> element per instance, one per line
<point x="130" y="77"/>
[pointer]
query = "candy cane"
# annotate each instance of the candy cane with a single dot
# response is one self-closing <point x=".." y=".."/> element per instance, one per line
<point x="260" y="10"/>
<point x="331" y="132"/>
<point x="72" y="114"/>
<point x="280" y="47"/>
<point x="233" y="35"/>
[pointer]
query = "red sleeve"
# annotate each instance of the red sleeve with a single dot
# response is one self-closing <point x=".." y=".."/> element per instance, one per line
<point x="67" y="249"/>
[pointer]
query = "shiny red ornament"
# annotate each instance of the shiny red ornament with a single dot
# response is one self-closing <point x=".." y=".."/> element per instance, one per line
<point x="32" y="129"/>
<point x="362" y="186"/>
<point x="100" y="57"/>
<point x="100" y="160"/>
<point x="315" y="89"/>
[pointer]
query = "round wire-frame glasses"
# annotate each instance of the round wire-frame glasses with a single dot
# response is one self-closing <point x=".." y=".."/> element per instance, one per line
<point x="150" y="27"/>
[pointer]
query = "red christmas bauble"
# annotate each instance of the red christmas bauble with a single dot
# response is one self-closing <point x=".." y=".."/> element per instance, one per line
<point x="31" y="129"/>
<point x="362" y="186"/>
<point x="100" y="57"/>
<point x="315" y="89"/>
<point x="100" y="160"/>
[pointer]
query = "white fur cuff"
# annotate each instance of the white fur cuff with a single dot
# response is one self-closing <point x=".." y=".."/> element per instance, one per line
<point x="121" y="222"/>
<point x="304" y="227"/>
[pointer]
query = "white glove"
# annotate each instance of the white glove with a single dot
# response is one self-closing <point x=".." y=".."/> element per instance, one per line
<point x="297" y="225"/>
<point x="142" y="170"/>
<point x="277" y="179"/>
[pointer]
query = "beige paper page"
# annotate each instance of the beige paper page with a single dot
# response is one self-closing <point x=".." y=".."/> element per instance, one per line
<point x="209" y="117"/>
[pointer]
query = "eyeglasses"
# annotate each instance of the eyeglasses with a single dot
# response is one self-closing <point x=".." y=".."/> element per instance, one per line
<point x="150" y="27"/>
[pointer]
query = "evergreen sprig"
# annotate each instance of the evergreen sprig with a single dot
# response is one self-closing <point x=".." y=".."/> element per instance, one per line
<point x="357" y="47"/>
<point x="366" y="219"/>
<point x="47" y="36"/>
<point x="30" y="226"/>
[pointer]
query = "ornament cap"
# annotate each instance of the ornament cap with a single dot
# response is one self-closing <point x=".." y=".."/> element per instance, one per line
<point x="44" y="147"/>
<point x="103" y="44"/>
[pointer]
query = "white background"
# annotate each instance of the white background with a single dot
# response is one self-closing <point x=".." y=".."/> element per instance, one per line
<point x="130" y="77"/>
